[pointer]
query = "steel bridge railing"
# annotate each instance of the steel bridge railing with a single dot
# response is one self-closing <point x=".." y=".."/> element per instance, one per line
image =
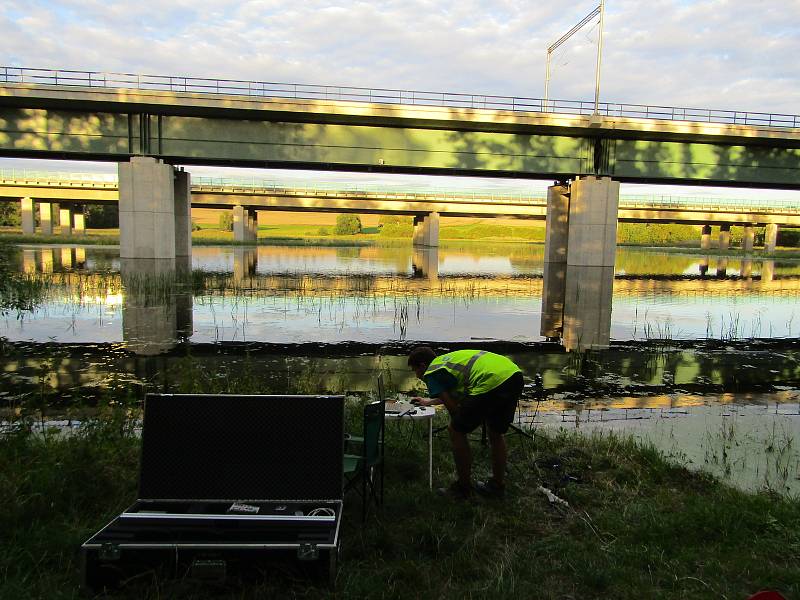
<point x="268" y="89"/>
<point x="338" y="189"/>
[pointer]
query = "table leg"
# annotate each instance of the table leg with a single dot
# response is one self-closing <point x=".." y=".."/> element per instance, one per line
<point x="430" y="453"/>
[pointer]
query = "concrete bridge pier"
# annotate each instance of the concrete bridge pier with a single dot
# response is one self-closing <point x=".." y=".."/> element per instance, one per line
<point x="724" y="237"/>
<point x="581" y="230"/>
<point x="555" y="261"/>
<point x="770" y="237"/>
<point x="154" y="210"/>
<point x="79" y="222"/>
<point x="705" y="237"/>
<point x="245" y="223"/>
<point x="28" y="226"/>
<point x="46" y="218"/>
<point x="426" y="230"/>
<point x="65" y="220"/>
<point x="748" y="237"/>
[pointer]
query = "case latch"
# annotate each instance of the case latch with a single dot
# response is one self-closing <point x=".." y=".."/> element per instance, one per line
<point x="109" y="551"/>
<point x="307" y="552"/>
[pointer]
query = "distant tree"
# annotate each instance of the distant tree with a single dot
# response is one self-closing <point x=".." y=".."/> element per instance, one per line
<point x="347" y="225"/>
<point x="10" y="213"/>
<point x="102" y="216"/>
<point x="788" y="238"/>
<point x="226" y="221"/>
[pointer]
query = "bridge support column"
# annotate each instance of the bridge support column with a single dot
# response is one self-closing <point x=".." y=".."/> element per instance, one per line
<point x="79" y="223"/>
<point x="46" y="218"/>
<point x="183" y="214"/>
<point x="705" y="238"/>
<point x="580" y="251"/>
<point x="240" y="224"/>
<point x="555" y="261"/>
<point x="252" y="225"/>
<point x="426" y="230"/>
<point x="770" y="237"/>
<point x="593" y="206"/>
<point x="748" y="237"/>
<point x="65" y="220"/>
<point x="724" y="237"/>
<point x="26" y="210"/>
<point x="147" y="209"/>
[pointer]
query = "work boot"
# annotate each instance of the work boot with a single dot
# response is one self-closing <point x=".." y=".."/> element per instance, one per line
<point x="490" y="488"/>
<point x="455" y="491"/>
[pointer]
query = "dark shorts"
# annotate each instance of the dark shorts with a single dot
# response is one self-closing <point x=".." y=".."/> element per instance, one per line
<point x="496" y="407"/>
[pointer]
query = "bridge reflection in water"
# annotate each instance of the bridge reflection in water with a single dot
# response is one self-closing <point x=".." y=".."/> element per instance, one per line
<point x="162" y="303"/>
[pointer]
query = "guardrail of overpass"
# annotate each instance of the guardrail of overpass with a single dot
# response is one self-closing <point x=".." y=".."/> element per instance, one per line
<point x="270" y="89"/>
<point x="332" y="188"/>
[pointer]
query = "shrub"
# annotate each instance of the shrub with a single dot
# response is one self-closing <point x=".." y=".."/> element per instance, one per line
<point x="10" y="213"/>
<point x="323" y="231"/>
<point x="102" y="216"/>
<point x="789" y="238"/>
<point x="347" y="225"/>
<point x="195" y="226"/>
<point x="226" y="221"/>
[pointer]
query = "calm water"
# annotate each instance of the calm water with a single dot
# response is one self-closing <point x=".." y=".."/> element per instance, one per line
<point x="750" y="440"/>
<point x="376" y="294"/>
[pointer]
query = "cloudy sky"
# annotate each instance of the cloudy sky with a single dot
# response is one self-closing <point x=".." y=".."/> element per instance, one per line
<point x="723" y="54"/>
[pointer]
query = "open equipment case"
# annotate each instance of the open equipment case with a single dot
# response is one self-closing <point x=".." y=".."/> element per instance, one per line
<point x="228" y="485"/>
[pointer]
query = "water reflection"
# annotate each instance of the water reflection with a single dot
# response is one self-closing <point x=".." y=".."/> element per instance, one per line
<point x="156" y="313"/>
<point x="378" y="294"/>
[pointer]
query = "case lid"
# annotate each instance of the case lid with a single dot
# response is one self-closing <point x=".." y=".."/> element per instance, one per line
<point x="236" y="447"/>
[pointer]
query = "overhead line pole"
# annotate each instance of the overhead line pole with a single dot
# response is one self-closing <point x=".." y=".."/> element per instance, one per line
<point x="598" y="10"/>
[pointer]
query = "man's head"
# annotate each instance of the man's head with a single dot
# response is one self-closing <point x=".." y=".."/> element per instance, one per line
<point x="420" y="358"/>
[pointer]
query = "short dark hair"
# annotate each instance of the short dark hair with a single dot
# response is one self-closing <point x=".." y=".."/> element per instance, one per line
<point x="421" y="355"/>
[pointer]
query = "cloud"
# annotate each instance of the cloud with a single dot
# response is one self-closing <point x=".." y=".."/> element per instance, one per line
<point x="671" y="52"/>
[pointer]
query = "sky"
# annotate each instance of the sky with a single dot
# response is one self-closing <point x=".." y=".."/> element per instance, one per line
<point x="720" y="54"/>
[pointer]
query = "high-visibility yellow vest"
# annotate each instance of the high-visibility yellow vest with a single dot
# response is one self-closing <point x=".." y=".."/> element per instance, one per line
<point x="476" y="371"/>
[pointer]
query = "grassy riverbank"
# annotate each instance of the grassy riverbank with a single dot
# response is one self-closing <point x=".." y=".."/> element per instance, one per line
<point x="636" y="526"/>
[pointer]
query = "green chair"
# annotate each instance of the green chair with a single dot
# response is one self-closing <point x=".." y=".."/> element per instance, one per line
<point x="364" y="471"/>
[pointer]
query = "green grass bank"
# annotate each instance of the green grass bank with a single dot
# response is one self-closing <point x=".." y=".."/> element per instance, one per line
<point x="636" y="526"/>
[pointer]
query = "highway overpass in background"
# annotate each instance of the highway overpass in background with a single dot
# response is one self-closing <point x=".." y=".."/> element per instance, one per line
<point x="149" y="124"/>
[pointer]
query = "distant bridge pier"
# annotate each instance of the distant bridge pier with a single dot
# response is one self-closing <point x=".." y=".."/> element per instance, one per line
<point x="705" y="238"/>
<point x="581" y="230"/>
<point x="426" y="230"/>
<point x="245" y="224"/>
<point x="46" y="217"/>
<point x="724" y="236"/>
<point x="748" y="237"/>
<point x="770" y="237"/>
<point x="26" y="206"/>
<point x="154" y="210"/>
<point x="65" y="220"/>
<point x="79" y="222"/>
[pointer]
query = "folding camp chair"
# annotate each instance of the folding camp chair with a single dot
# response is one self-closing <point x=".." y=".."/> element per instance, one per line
<point x="366" y="467"/>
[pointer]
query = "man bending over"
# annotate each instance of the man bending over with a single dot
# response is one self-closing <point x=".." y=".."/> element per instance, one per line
<point x="475" y="386"/>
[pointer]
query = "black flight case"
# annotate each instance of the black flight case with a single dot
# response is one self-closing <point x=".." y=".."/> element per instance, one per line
<point x="228" y="485"/>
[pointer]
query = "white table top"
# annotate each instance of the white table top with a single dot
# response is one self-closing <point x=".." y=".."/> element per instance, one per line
<point x="415" y="412"/>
